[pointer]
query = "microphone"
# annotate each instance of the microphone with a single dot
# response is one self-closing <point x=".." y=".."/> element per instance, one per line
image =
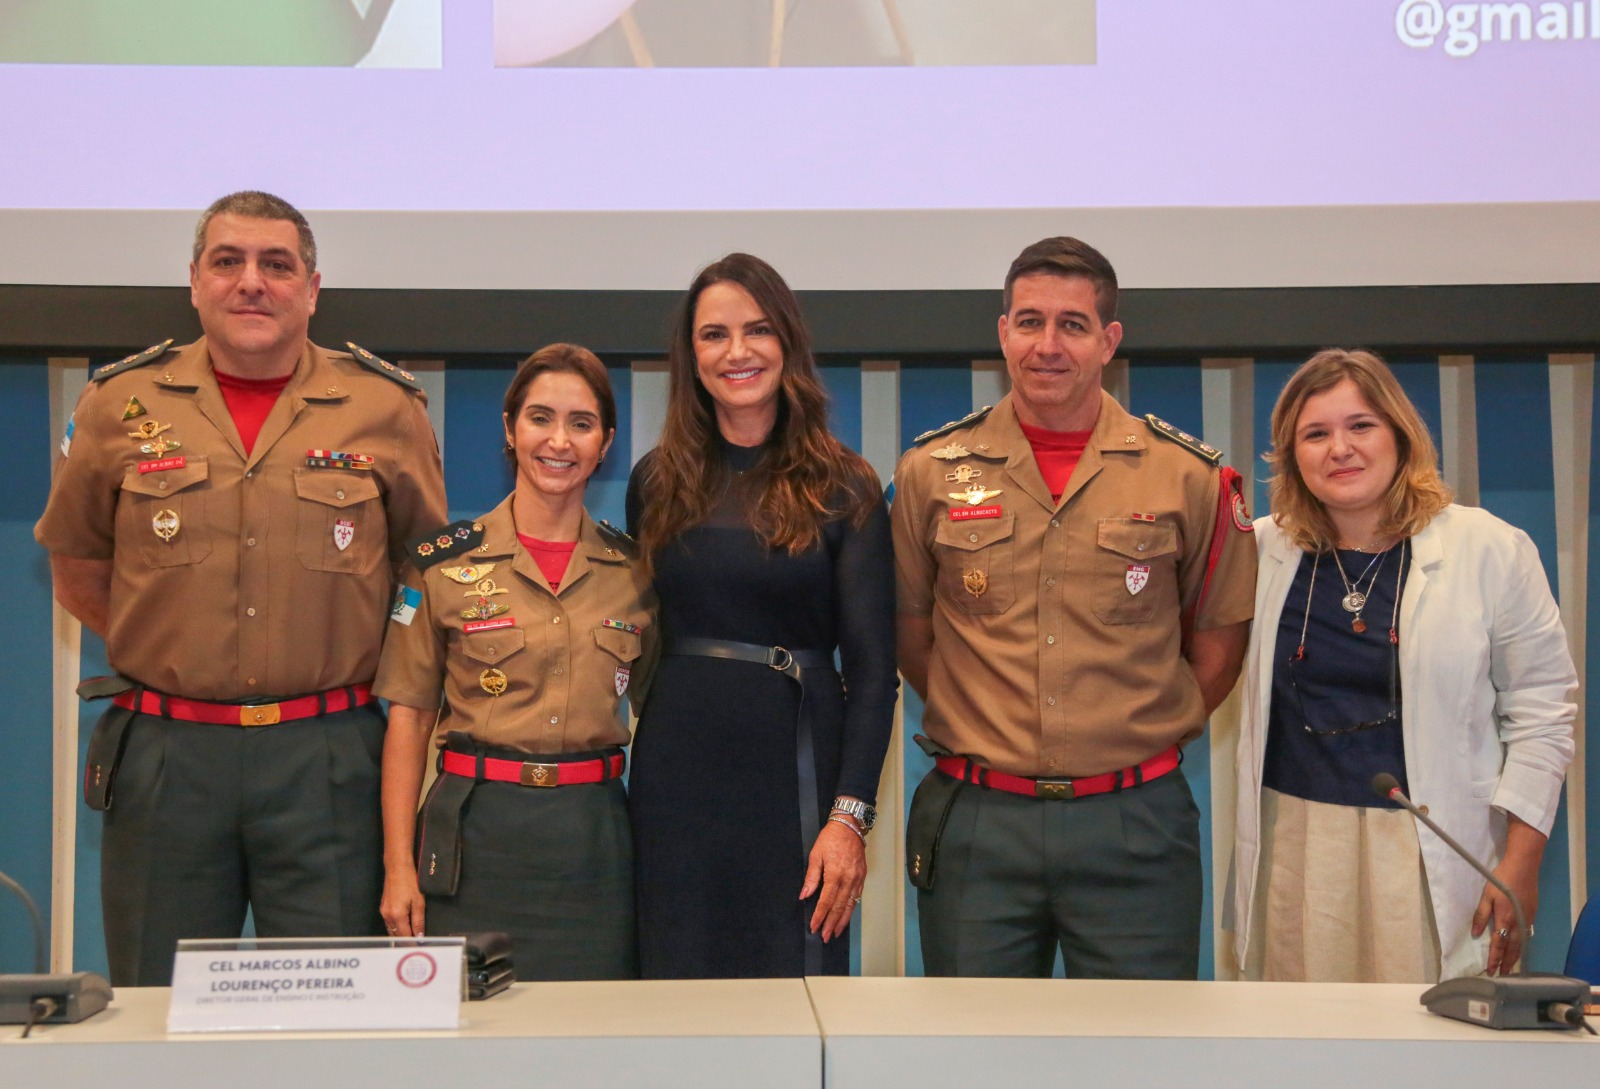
<point x="49" y="999"/>
<point x="1523" y="1000"/>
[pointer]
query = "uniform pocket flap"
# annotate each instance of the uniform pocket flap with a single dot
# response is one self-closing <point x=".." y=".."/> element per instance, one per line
<point x="335" y="488"/>
<point x="493" y="646"/>
<point x="969" y="536"/>
<point x="622" y="645"/>
<point x="1137" y="540"/>
<point x="165" y="482"/>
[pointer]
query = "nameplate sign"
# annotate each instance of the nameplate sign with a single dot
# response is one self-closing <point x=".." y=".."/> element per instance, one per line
<point x="315" y="984"/>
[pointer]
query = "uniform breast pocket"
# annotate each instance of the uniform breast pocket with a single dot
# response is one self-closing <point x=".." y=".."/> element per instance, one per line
<point x="493" y="647"/>
<point x="975" y="564"/>
<point x="341" y="526"/>
<point x="1136" y="570"/>
<point x="622" y="649"/>
<point x="165" y="512"/>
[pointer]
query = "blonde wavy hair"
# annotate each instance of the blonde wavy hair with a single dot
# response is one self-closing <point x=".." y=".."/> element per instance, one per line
<point x="1415" y="495"/>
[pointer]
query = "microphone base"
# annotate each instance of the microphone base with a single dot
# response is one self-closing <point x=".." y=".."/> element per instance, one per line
<point x="79" y="995"/>
<point x="1506" y="1002"/>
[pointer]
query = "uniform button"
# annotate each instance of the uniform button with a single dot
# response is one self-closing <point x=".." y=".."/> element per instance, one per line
<point x="1055" y="524"/>
<point x="1049" y="763"/>
<point x="1051" y="581"/>
<point x="339" y="494"/>
<point x="251" y="680"/>
<point x="249" y="612"/>
<point x="557" y="620"/>
<point x="1140" y="546"/>
<point x="558" y="671"/>
<point x="1050" y="639"/>
<point x="162" y="485"/>
<point x="250" y="475"/>
<point x="973" y="537"/>
<point x="250" y="542"/>
<point x="1423" y="810"/>
<point x="1051" y="700"/>
<point x="554" y="719"/>
<point x="491" y="650"/>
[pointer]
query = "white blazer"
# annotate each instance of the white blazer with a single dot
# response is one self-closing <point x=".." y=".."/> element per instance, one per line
<point x="1487" y="682"/>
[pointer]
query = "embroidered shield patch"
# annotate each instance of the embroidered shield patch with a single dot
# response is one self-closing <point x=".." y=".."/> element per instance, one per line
<point x="344" y="531"/>
<point x="1136" y="578"/>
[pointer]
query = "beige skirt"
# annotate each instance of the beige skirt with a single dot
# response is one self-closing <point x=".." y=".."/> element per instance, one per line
<point x="1341" y="897"/>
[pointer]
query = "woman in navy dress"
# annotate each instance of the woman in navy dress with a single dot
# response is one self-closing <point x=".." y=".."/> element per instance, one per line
<point x="756" y="762"/>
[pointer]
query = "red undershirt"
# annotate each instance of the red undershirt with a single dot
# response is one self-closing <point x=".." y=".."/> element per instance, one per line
<point x="249" y="400"/>
<point x="1057" y="453"/>
<point x="551" y="556"/>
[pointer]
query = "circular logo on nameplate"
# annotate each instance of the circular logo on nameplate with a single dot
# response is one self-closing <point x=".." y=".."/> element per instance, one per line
<point x="416" y="969"/>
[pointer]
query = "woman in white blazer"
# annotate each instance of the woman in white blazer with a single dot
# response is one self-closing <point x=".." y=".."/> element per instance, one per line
<point x="1394" y="631"/>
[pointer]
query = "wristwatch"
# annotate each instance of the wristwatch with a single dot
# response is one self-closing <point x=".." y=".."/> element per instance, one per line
<point x="865" y="815"/>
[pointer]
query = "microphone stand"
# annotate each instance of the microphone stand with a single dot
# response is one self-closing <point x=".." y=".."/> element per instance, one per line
<point x="1521" y="1000"/>
<point x="39" y="998"/>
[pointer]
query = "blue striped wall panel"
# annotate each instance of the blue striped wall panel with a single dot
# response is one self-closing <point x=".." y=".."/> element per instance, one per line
<point x="843" y="383"/>
<point x="1516" y="480"/>
<point x="1271" y="375"/>
<point x="1419" y="377"/>
<point x="476" y="474"/>
<point x="25" y="668"/>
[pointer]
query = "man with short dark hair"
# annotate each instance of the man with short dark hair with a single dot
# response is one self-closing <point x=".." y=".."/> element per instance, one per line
<point x="228" y="516"/>
<point x="1075" y="588"/>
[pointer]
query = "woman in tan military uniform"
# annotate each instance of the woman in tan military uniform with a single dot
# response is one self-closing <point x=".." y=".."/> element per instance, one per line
<point x="511" y="646"/>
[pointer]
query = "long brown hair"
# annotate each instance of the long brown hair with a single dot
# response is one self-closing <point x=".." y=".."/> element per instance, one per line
<point x="812" y="478"/>
<point x="1415" y="494"/>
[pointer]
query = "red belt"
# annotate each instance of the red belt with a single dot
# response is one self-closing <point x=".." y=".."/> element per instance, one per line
<point x="146" y="702"/>
<point x="959" y="767"/>
<point x="599" y="770"/>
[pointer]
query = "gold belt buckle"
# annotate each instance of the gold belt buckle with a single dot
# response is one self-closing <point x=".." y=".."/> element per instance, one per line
<point x="541" y="775"/>
<point x="1053" y="788"/>
<point x="261" y="714"/>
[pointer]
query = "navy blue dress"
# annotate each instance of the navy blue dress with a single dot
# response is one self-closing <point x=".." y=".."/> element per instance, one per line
<point x="714" y="786"/>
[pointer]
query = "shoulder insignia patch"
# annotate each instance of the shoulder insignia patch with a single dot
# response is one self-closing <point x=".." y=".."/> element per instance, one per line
<point x="952" y="426"/>
<point x="1204" y="451"/>
<point x="616" y="538"/>
<point x="137" y="359"/>
<point x="383" y="367"/>
<point x="452" y="540"/>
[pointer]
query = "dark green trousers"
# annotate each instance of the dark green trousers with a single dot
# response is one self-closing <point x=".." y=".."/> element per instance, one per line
<point x="554" y="869"/>
<point x="209" y="821"/>
<point x="1112" y="880"/>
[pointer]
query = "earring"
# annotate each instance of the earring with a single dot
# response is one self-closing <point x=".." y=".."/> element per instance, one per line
<point x="601" y="462"/>
<point x="508" y="446"/>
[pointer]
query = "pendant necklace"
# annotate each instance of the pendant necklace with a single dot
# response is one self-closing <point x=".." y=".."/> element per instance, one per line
<point x="1354" y="599"/>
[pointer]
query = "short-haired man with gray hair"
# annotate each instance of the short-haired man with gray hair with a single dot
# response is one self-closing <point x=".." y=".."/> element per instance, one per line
<point x="228" y="516"/>
<point x="1075" y="588"/>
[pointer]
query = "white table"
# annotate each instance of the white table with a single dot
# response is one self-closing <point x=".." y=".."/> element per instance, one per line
<point x="966" y="1034"/>
<point x="544" y="1035"/>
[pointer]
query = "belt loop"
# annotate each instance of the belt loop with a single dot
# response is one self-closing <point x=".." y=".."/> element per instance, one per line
<point x="349" y="698"/>
<point x="1138" y="774"/>
<point x="161" y="704"/>
<point x="322" y="703"/>
<point x="477" y="766"/>
<point x="1117" y="785"/>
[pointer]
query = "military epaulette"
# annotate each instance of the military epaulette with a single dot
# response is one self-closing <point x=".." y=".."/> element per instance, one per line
<point x="952" y="425"/>
<point x="614" y="536"/>
<point x="452" y="540"/>
<point x="383" y="366"/>
<point x="137" y="359"/>
<point x="1199" y="449"/>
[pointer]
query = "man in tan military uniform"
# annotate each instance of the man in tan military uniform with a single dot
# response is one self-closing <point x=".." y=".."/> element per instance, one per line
<point x="229" y="516"/>
<point x="1066" y="644"/>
